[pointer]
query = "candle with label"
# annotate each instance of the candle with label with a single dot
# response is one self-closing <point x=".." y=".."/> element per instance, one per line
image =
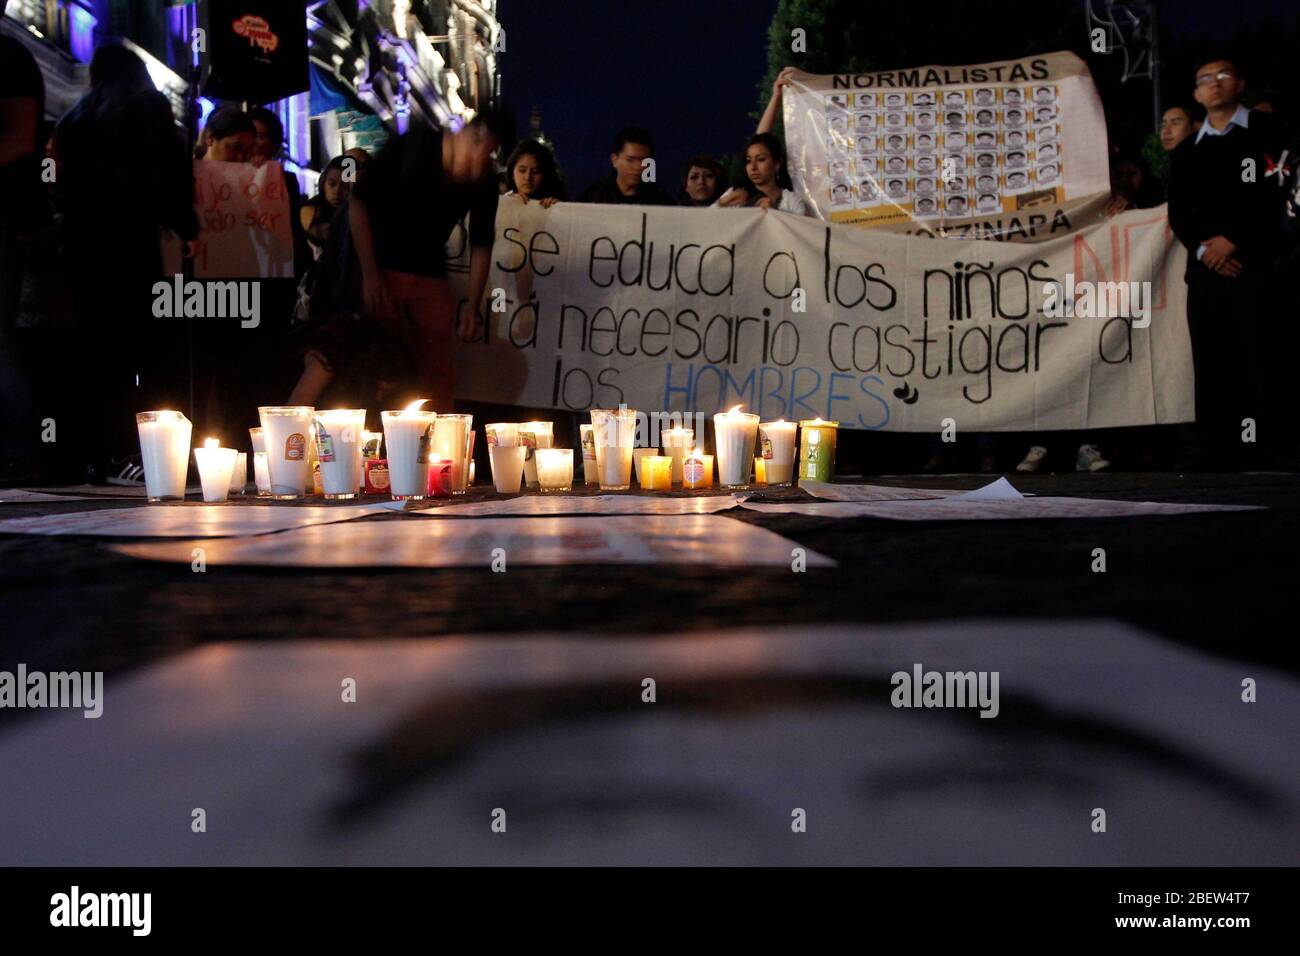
<point x="614" y="431"/>
<point x="590" y="471"/>
<point x="451" y="442"/>
<point x="340" y="434"/>
<point x="555" y="469"/>
<point x="776" y="445"/>
<point x="817" y="449"/>
<point x="215" y="465"/>
<point x="534" y="435"/>
<point x="735" y="434"/>
<point x="285" y="430"/>
<point x="164" y="452"/>
<point x="408" y="435"/>
<point x="697" y="470"/>
<point x="506" y="456"/>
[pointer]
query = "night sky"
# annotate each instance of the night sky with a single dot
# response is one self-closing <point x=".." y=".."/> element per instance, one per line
<point x="688" y="69"/>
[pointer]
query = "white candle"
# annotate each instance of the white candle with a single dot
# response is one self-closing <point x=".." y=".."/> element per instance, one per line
<point x="340" y="433"/>
<point x="165" y="452"/>
<point x="261" y="474"/>
<point x="239" y="474"/>
<point x="534" y="435"/>
<point x="776" y="443"/>
<point x="614" y="431"/>
<point x="408" y="433"/>
<point x="285" y="431"/>
<point x="677" y="442"/>
<point x="451" y="443"/>
<point x="735" y="434"/>
<point x="215" y="465"/>
<point x="590" y="471"/>
<point x="555" y="469"/>
<point x="258" y="439"/>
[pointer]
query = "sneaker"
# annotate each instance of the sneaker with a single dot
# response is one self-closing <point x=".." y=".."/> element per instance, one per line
<point x="1090" y="459"/>
<point x="127" y="471"/>
<point x="1033" y="461"/>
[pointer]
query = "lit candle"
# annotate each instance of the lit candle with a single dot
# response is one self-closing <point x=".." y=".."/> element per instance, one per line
<point x="451" y="442"/>
<point x="697" y="470"/>
<point x="371" y="444"/>
<point x="776" y="444"/>
<point x="215" y="465"/>
<point x="555" y="469"/>
<point x="340" y="434"/>
<point x="164" y="452"/>
<point x="817" y="449"/>
<point x="656" y="473"/>
<point x="638" y="456"/>
<point x="590" y="471"/>
<point x="408" y="433"/>
<point x="760" y="471"/>
<point x="735" y="434"/>
<point x="285" y="431"/>
<point x="677" y="441"/>
<point x="534" y="435"/>
<point x="239" y="475"/>
<point x="614" y="431"/>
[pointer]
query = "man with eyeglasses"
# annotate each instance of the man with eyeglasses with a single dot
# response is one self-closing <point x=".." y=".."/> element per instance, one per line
<point x="1228" y="220"/>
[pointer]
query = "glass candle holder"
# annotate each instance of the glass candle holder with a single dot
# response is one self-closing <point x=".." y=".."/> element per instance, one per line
<point x="534" y="435"/>
<point x="285" y="430"/>
<point x="507" y="467"/>
<point x="614" y="432"/>
<point x="255" y="435"/>
<point x="677" y="442"/>
<point x="239" y="474"/>
<point x="165" y="453"/>
<point x="735" y="435"/>
<point x="817" y="449"/>
<point x="451" y="441"/>
<point x="776" y="451"/>
<point x="215" y="465"/>
<point x="408" y="435"/>
<point x="590" y="471"/>
<point x="656" y="473"/>
<point x="554" y="469"/>
<point x="340" y="435"/>
<point x="697" y="470"/>
<point x="261" y="474"/>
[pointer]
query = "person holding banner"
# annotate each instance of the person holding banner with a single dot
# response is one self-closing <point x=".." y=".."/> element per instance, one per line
<point x="391" y="277"/>
<point x="1230" y="224"/>
<point x="533" y="174"/>
<point x="769" y="184"/>
<point x="704" y="183"/>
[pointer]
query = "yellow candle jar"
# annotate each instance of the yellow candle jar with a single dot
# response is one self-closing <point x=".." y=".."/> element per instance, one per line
<point x="656" y="473"/>
<point x="697" y="470"/>
<point x="817" y="449"/>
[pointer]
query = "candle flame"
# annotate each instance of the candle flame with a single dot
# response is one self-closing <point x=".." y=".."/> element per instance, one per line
<point x="414" y="406"/>
<point x="211" y="443"/>
<point x="734" y="409"/>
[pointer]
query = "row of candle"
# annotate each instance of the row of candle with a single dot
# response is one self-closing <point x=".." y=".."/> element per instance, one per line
<point x="297" y="447"/>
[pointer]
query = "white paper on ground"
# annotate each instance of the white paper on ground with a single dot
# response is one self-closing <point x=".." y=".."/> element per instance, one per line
<point x="618" y="539"/>
<point x="185" y="521"/>
<point x="829" y="491"/>
<point x="1000" y="490"/>
<point x="576" y="505"/>
<point x="1092" y="714"/>
<point x="23" y="496"/>
<point x="968" y="509"/>
<point x="111" y="491"/>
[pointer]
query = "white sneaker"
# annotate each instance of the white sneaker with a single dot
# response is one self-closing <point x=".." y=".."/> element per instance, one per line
<point x="1090" y="459"/>
<point x="1034" y="460"/>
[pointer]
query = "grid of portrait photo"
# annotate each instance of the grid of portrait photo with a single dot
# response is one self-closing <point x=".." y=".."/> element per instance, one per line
<point x="941" y="153"/>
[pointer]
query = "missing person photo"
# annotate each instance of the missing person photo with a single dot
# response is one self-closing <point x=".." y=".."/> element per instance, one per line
<point x="895" y="164"/>
<point x="926" y="207"/>
<point x="954" y="139"/>
<point x="923" y="98"/>
<point x="1045" y="134"/>
<point x="924" y="119"/>
<point x="954" y="184"/>
<point x="894" y="100"/>
<point x="868" y="191"/>
<point x="864" y="101"/>
<point x="985" y="140"/>
<point x="895" y="143"/>
<point x="1015" y="117"/>
<point x="839" y="171"/>
<point x="1045" y="94"/>
<point x="866" y="145"/>
<point x="954" y="98"/>
<point x="1047" y="153"/>
<point x="955" y="205"/>
<point x="986" y="160"/>
<point x="925" y="141"/>
<point x="1017" y="181"/>
<point x="895" y="120"/>
<point x="840" y="194"/>
<point x="926" y="163"/>
<point x="896" y="188"/>
<point x="986" y="183"/>
<point x="1047" y="175"/>
<point x="1045" y="114"/>
<point x="988" y="202"/>
<point x="838" y="122"/>
<point x="864" y="122"/>
<point x="1015" y="137"/>
<point x="1013" y="96"/>
<point x="926" y="185"/>
<point x="985" y="118"/>
<point x="954" y="119"/>
<point x="984" y="96"/>
<point x="838" y="101"/>
<point x="1015" y="159"/>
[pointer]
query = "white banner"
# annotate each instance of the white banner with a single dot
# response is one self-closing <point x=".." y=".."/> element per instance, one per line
<point x="1013" y="150"/>
<point x="672" y="309"/>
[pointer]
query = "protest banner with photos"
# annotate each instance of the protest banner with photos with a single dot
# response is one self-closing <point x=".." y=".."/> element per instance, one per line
<point x="1010" y="150"/>
<point x="697" y="310"/>
<point x="244" y="227"/>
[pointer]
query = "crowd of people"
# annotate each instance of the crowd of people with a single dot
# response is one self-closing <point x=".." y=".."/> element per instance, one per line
<point x="369" y="315"/>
